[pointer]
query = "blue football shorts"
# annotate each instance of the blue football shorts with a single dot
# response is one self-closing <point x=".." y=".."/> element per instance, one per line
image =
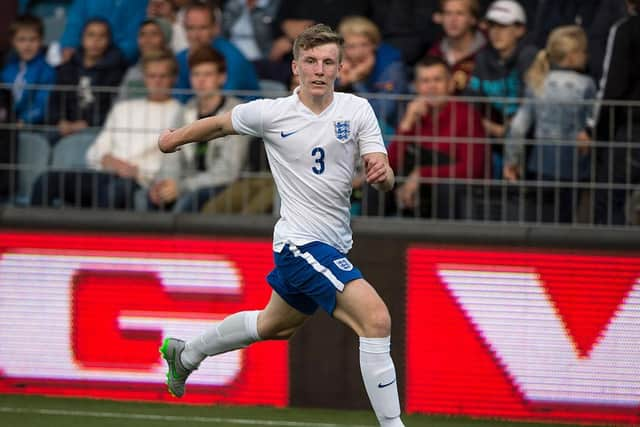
<point x="309" y="276"/>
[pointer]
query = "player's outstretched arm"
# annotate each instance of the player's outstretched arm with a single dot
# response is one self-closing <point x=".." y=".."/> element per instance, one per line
<point x="379" y="173"/>
<point x="201" y="130"/>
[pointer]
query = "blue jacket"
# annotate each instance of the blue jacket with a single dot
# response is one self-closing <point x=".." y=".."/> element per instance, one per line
<point x="30" y="105"/>
<point x="560" y="112"/>
<point x="124" y="17"/>
<point x="241" y="75"/>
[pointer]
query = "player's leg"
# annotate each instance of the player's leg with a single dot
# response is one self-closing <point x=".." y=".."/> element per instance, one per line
<point x="277" y="320"/>
<point x="360" y="307"/>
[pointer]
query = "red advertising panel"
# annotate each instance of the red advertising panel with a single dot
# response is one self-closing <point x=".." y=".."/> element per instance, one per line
<point x="536" y="335"/>
<point x="84" y="315"/>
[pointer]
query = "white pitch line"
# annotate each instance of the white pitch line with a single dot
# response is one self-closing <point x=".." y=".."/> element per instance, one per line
<point x="62" y="412"/>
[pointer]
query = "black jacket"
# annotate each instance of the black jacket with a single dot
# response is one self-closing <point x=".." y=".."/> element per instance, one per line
<point x="621" y="79"/>
<point x="84" y="101"/>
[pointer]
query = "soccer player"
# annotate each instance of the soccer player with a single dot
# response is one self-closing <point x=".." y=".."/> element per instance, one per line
<point x="311" y="138"/>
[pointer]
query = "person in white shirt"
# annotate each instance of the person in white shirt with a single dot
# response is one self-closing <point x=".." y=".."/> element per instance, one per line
<point x="124" y="157"/>
<point x="310" y="138"/>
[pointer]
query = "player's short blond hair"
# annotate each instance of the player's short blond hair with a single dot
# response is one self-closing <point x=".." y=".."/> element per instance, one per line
<point x="317" y="35"/>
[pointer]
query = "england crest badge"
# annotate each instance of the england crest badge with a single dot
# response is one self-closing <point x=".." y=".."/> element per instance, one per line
<point x="342" y="130"/>
<point x="343" y="264"/>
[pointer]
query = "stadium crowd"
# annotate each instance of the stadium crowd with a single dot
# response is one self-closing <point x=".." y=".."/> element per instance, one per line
<point x="508" y="110"/>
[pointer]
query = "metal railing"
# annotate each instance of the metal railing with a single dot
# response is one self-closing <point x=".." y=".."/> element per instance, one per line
<point x="559" y="183"/>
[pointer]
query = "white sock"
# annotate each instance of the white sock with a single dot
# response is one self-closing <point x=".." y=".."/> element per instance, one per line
<point x="234" y="332"/>
<point x="379" y="377"/>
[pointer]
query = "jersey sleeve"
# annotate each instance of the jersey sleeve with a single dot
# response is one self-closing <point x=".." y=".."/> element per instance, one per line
<point x="247" y="119"/>
<point x="369" y="134"/>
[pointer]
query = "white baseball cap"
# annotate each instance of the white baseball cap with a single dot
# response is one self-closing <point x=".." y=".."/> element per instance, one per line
<point x="506" y="12"/>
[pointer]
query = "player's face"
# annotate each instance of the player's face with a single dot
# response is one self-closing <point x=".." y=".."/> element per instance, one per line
<point x="206" y="79"/>
<point x="27" y="43"/>
<point x="317" y="68"/>
<point x="434" y="83"/>
<point x="457" y="19"/>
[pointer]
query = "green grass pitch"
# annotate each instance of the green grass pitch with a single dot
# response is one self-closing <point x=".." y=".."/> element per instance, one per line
<point x="37" y="411"/>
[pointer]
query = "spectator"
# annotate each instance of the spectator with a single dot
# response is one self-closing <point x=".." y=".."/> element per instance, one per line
<point x="618" y="161"/>
<point x="462" y="40"/>
<point x="125" y="156"/>
<point x="499" y="72"/>
<point x="371" y="66"/>
<point x="125" y="16"/>
<point x="439" y="138"/>
<point x="249" y="25"/>
<point x="154" y="36"/>
<point x="557" y="90"/>
<point x="203" y="30"/>
<point x="96" y="63"/>
<point x="190" y="177"/>
<point x="596" y="17"/>
<point x="168" y="10"/>
<point x="27" y="66"/>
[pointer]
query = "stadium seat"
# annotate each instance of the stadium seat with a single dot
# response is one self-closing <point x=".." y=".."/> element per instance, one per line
<point x="33" y="158"/>
<point x="70" y="152"/>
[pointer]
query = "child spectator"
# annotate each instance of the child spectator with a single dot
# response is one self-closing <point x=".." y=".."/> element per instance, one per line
<point x="596" y="17"/>
<point x="462" y="40"/>
<point x="27" y="66"/>
<point x="97" y="63"/>
<point x="557" y="90"/>
<point x="193" y="175"/>
<point x="499" y="72"/>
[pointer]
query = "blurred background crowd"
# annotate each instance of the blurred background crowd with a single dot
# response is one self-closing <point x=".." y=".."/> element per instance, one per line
<point x="521" y="111"/>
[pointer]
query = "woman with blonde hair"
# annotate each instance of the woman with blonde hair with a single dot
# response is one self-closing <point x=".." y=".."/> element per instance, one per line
<point x="557" y="89"/>
<point x="371" y="66"/>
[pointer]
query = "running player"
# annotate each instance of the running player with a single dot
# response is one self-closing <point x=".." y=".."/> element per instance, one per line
<point x="311" y="138"/>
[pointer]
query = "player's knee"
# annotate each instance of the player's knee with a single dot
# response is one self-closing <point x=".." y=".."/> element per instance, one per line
<point x="377" y="323"/>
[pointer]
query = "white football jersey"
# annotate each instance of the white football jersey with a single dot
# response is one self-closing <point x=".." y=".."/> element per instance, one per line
<point x="312" y="162"/>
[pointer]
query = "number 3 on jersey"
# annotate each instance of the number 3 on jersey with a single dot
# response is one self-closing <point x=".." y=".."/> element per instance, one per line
<point x="318" y="154"/>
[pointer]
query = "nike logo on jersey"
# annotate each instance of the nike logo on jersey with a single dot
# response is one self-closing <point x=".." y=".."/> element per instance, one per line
<point x="380" y="385"/>
<point x="286" y="134"/>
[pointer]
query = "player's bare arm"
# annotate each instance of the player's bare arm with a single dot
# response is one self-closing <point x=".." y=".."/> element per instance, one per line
<point x="378" y="172"/>
<point x="204" y="129"/>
